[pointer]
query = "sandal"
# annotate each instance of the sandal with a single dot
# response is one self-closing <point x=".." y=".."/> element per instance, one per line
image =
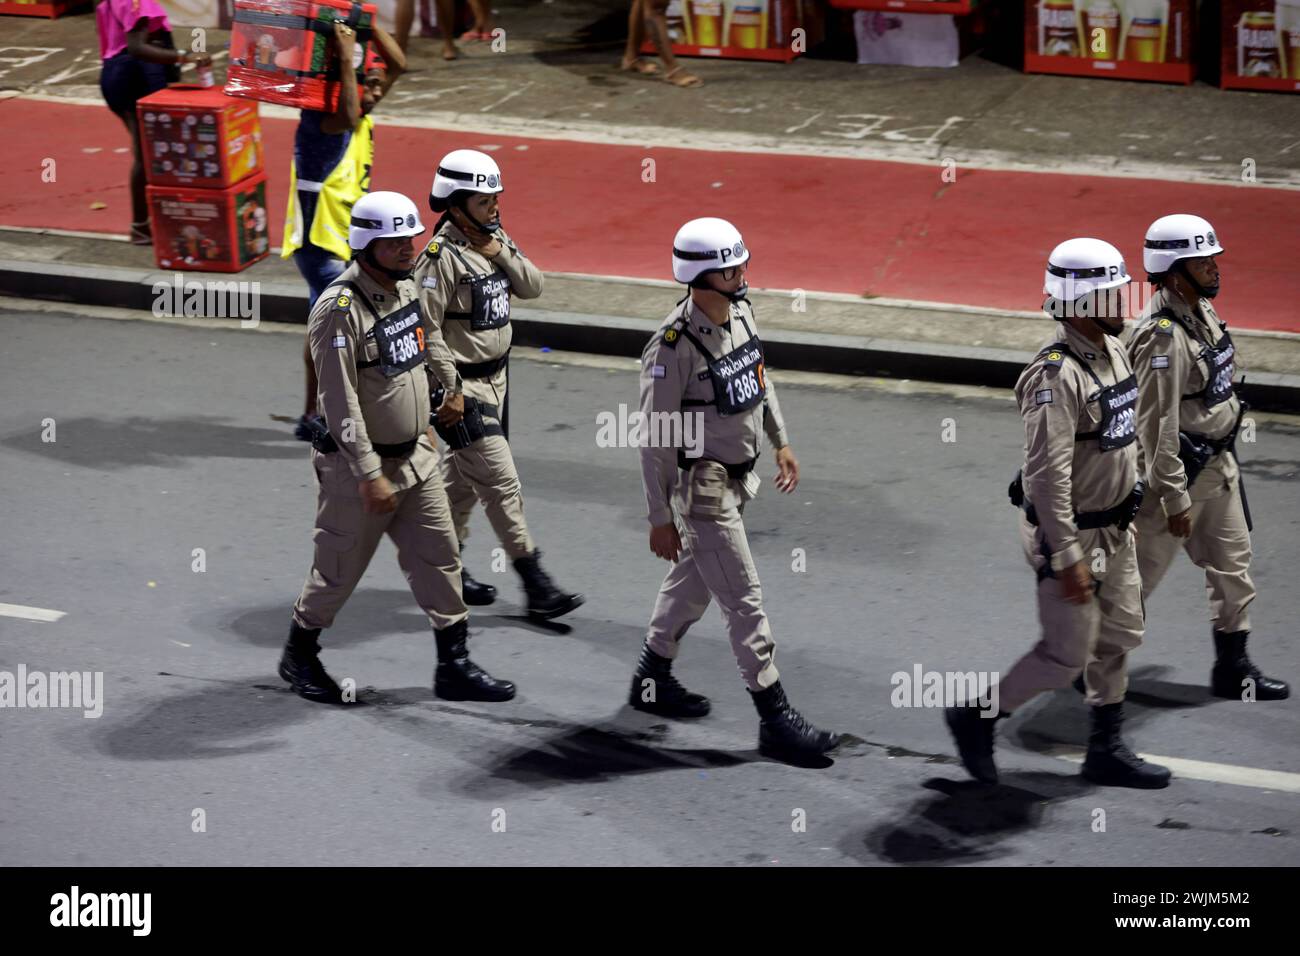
<point x="688" y="81"/>
<point x="640" y="65"/>
<point x="141" y="234"/>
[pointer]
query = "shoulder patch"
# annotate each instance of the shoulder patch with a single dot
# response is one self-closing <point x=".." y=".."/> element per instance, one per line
<point x="1043" y="396"/>
<point x="343" y="302"/>
<point x="433" y="249"/>
<point x="670" y="337"/>
<point x="1164" y="326"/>
<point x="1160" y="361"/>
<point x="1055" y="357"/>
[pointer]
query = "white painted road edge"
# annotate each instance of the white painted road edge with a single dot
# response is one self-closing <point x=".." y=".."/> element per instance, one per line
<point x="1204" y="770"/>
<point x="22" y="612"/>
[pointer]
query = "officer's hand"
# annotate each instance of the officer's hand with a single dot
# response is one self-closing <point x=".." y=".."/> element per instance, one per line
<point x="484" y="243"/>
<point x="787" y="477"/>
<point x="1077" y="583"/>
<point x="451" y="410"/>
<point x="1180" y="525"/>
<point x="665" y="542"/>
<point x="377" y="496"/>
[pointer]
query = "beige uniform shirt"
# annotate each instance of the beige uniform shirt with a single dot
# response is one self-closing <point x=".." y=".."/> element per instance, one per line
<point x="1061" y="475"/>
<point x="363" y="405"/>
<point x="1169" y="365"/>
<point x="673" y="369"/>
<point x="442" y="274"/>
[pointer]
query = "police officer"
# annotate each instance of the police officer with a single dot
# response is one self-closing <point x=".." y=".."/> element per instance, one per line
<point x="1078" y="492"/>
<point x="1188" y="416"/>
<point x="467" y="275"/>
<point x="706" y="361"/>
<point x="375" y="465"/>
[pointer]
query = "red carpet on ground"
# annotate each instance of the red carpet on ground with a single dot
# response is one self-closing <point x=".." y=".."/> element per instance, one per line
<point x="833" y="225"/>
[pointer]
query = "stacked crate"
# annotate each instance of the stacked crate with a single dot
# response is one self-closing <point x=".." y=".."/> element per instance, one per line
<point x="207" y="191"/>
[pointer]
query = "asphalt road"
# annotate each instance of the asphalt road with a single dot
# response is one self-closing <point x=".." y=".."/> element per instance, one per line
<point x="165" y="443"/>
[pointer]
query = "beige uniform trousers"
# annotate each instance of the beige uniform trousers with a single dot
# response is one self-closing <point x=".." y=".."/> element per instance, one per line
<point x="485" y="471"/>
<point x="1097" y="635"/>
<point x="715" y="565"/>
<point x="346" y="537"/>
<point x="1219" y="544"/>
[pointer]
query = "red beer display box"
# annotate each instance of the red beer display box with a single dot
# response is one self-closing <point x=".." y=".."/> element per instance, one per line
<point x="734" y="29"/>
<point x="30" y="8"/>
<point x="1120" y="39"/>
<point x="282" y="51"/>
<point x="196" y="136"/>
<point x="210" y="230"/>
<point x="1260" y="45"/>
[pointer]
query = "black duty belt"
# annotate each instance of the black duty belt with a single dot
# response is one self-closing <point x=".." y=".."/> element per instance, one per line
<point x="400" y="450"/>
<point x="482" y="369"/>
<point x="734" y="472"/>
<point x="1122" y="514"/>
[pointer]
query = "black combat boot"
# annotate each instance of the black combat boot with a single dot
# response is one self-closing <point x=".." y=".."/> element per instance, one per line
<point x="1232" y="667"/>
<point x="1110" y="762"/>
<point x="783" y="732"/>
<point x="973" y="733"/>
<point x="545" y="600"/>
<point x="475" y="593"/>
<point x="459" y="678"/>
<point x="668" y="697"/>
<point x="300" y="665"/>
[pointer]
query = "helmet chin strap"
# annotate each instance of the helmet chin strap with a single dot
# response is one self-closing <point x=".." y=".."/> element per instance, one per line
<point x="1181" y="267"/>
<point x="493" y="226"/>
<point x="738" y="295"/>
<point x="395" y="274"/>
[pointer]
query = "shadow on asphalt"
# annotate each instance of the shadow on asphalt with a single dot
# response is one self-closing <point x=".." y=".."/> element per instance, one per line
<point x="103" y="443"/>
<point x="965" y="821"/>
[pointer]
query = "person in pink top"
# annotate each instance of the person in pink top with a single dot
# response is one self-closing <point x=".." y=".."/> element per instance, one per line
<point x="138" y="58"/>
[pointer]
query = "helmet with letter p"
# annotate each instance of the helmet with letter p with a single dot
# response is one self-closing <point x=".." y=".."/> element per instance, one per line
<point x="1078" y="272"/>
<point x="382" y="215"/>
<point x="707" y="245"/>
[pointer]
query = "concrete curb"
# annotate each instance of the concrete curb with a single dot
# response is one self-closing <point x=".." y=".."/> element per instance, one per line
<point x="606" y="335"/>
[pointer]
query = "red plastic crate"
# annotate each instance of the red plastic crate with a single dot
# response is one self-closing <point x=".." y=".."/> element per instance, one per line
<point x="210" y="230"/>
<point x="1260" y="45"/>
<point x="197" y="136"/>
<point x="1123" y="41"/>
<point x="281" y="51"/>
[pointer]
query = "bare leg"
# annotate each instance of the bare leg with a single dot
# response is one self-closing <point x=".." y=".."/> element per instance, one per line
<point x="658" y="25"/>
<point x="139" y="204"/>
<point x="402" y="22"/>
<point x="482" y="16"/>
<point x="447" y="26"/>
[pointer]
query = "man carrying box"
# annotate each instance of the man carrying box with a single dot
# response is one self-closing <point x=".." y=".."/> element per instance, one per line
<point x="332" y="157"/>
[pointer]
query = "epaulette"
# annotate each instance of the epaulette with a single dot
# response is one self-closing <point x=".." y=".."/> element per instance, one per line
<point x="1164" y="324"/>
<point x="672" y="334"/>
<point x="1053" y="357"/>
<point x="433" y="249"/>
<point x="343" y="303"/>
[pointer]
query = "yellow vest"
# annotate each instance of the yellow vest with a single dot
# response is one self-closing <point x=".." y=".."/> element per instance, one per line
<point x="346" y="183"/>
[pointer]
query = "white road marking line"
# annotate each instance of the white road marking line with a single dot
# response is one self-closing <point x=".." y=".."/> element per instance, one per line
<point x="181" y="643"/>
<point x="44" y="615"/>
<point x="1205" y="770"/>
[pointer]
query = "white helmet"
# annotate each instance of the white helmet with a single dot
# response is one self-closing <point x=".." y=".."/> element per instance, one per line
<point x="466" y="169"/>
<point x="706" y="245"/>
<point x="382" y="215"/>
<point x="1181" y="236"/>
<point x="1079" y="266"/>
